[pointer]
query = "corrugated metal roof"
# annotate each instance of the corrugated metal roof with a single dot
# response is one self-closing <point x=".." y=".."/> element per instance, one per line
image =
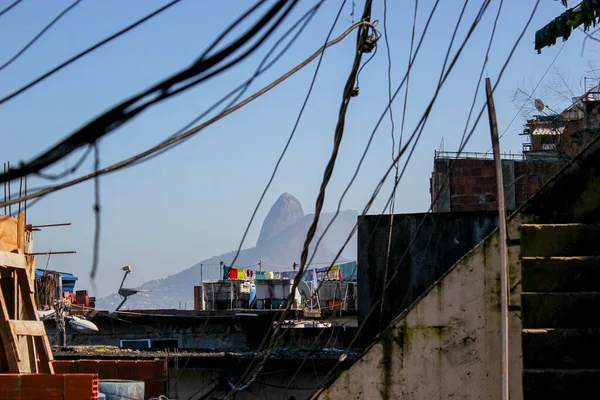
<point x="547" y="131"/>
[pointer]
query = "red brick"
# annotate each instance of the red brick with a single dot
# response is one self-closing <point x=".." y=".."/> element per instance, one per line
<point x="62" y="366"/>
<point x="154" y="389"/>
<point x="161" y="369"/>
<point x="81" y="386"/>
<point x="42" y="386"/>
<point x="146" y="370"/>
<point x="9" y="386"/>
<point x="86" y="367"/>
<point x="126" y="369"/>
<point x="107" y="369"/>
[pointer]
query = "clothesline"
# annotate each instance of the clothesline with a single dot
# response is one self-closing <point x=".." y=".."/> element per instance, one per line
<point x="344" y="271"/>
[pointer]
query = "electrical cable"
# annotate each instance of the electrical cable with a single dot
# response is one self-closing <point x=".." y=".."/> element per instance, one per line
<point x="396" y="178"/>
<point x="128" y="109"/>
<point x="241" y="89"/>
<point x="531" y="95"/>
<point x="347" y="94"/>
<point x="166" y="143"/>
<point x="460" y="150"/>
<point x="290" y="137"/>
<point x="40" y="34"/>
<point x="85" y="52"/>
<point x="7" y="9"/>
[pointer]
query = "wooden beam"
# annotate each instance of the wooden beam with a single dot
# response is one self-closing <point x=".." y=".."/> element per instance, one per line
<point x="12" y="260"/>
<point x="27" y="328"/>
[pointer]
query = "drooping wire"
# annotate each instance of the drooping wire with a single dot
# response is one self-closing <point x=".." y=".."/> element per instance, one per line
<point x="404" y="107"/>
<point x="460" y="150"/>
<point x="198" y="72"/>
<point x="193" y="131"/>
<point x="36" y="37"/>
<point x="7" y="9"/>
<point x="339" y="131"/>
<point x="85" y="52"/>
<point x="290" y="137"/>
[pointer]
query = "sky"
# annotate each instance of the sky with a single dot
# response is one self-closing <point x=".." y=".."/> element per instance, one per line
<point x="195" y="201"/>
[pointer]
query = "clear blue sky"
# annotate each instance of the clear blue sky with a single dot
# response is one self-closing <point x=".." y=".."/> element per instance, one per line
<point x="194" y="202"/>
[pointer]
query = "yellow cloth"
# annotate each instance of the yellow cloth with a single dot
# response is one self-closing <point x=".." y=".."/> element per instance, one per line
<point x="240" y="273"/>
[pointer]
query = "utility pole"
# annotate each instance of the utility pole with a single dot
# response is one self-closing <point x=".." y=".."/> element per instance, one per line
<point x="200" y="274"/>
<point x="260" y="265"/>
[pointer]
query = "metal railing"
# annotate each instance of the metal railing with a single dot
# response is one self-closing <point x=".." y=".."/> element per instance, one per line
<point x="475" y="155"/>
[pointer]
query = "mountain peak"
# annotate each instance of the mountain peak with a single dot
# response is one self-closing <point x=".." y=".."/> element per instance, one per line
<point x="286" y="211"/>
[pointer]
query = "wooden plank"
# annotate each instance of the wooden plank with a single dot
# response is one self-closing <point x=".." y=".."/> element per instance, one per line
<point x="12" y="260"/>
<point x="27" y="328"/>
<point x="9" y="340"/>
<point x="21" y="232"/>
<point x="42" y="344"/>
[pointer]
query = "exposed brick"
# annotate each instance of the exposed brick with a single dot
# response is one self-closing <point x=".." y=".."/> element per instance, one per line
<point x="127" y="369"/>
<point x="476" y="172"/>
<point x="81" y="386"/>
<point x="108" y="369"/>
<point x="86" y="367"/>
<point x="154" y="389"/>
<point x="9" y="386"/>
<point x="62" y="366"/>
<point x="42" y="386"/>
<point x="146" y="370"/>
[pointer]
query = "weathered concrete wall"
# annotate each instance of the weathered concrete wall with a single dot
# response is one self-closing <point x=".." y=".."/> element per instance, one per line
<point x="424" y="246"/>
<point x="447" y="345"/>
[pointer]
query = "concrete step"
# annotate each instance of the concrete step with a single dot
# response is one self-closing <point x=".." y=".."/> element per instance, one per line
<point x="561" y="274"/>
<point x="560" y="310"/>
<point x="561" y="348"/>
<point x="561" y="384"/>
<point x="560" y="240"/>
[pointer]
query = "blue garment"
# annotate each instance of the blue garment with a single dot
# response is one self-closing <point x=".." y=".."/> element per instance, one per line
<point x="225" y="272"/>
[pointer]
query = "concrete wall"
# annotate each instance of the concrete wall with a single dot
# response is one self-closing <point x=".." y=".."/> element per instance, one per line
<point x="447" y="345"/>
<point x="442" y="239"/>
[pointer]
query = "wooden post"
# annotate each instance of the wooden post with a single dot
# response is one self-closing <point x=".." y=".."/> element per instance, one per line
<point x="502" y="239"/>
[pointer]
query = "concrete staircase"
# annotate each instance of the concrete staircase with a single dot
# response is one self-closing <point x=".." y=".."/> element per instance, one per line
<point x="560" y="306"/>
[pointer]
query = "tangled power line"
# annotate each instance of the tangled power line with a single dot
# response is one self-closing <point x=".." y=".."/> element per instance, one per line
<point x="206" y="67"/>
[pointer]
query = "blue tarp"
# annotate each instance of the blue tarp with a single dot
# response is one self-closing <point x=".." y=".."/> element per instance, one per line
<point x="68" y="280"/>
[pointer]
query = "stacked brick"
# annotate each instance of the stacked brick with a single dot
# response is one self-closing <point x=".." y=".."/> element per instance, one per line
<point x="58" y="386"/>
<point x="473" y="183"/>
<point x="152" y="372"/>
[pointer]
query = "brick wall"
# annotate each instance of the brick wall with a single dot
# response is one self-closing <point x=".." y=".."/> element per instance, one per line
<point x="472" y="183"/>
<point x="152" y="372"/>
<point x="48" y="386"/>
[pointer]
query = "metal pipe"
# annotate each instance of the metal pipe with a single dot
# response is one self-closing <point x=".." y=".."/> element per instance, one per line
<point x="8" y="183"/>
<point x="51" y="252"/>
<point x="5" y="209"/>
<point x="502" y="239"/>
<point x="50" y="225"/>
<point x="20" y="193"/>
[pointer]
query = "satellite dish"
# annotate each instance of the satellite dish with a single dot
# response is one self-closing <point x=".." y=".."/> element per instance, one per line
<point x="81" y="324"/>
<point x="539" y="105"/>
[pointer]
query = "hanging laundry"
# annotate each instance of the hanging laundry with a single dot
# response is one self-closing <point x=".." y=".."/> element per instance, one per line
<point x="276" y="275"/>
<point x="233" y="273"/>
<point x="240" y="273"/>
<point x="269" y="275"/>
<point x="225" y="272"/>
<point x="249" y="273"/>
<point x="260" y="275"/>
